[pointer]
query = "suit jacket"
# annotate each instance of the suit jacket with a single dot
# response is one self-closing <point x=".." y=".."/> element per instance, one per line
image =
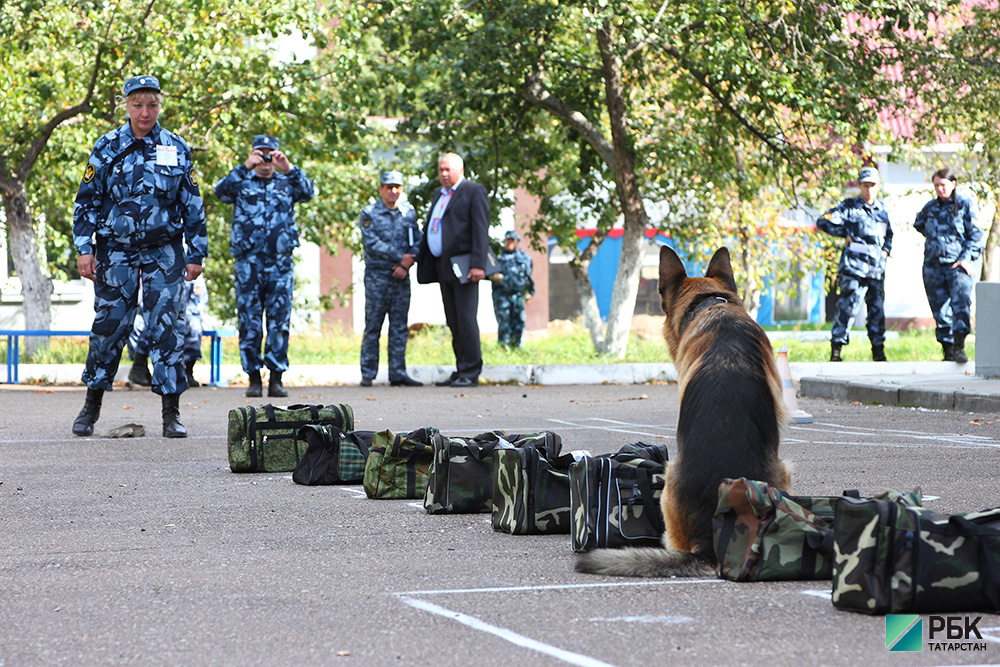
<point x="464" y="229"/>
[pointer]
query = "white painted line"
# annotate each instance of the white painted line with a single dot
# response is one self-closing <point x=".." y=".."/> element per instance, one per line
<point x="505" y="634"/>
<point x="826" y="595"/>
<point x="643" y="619"/>
<point x="355" y="491"/>
<point x="419" y="506"/>
<point x="557" y="587"/>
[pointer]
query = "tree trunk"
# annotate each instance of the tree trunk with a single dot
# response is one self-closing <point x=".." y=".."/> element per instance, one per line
<point x="633" y="239"/>
<point x="992" y="239"/>
<point x="588" y="302"/>
<point x="36" y="287"/>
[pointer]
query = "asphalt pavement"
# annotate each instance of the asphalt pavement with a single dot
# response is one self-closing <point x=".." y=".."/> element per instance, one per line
<point x="150" y="551"/>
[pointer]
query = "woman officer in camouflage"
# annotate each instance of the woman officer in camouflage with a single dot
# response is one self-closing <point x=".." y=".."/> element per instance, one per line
<point x="952" y="242"/>
<point x="140" y="199"/>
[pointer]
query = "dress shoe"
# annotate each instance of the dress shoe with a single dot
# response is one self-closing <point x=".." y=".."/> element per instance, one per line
<point x="366" y="382"/>
<point x="464" y="382"/>
<point x="447" y="383"/>
<point x="406" y="381"/>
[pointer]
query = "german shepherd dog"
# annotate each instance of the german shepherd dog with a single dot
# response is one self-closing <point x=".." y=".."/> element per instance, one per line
<point x="731" y="415"/>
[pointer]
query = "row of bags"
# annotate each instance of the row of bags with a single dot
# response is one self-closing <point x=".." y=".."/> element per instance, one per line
<point x="523" y="479"/>
<point x="886" y="554"/>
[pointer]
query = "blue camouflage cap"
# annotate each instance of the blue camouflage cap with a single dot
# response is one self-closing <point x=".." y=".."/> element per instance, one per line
<point x="139" y="83"/>
<point x="868" y="175"/>
<point x="265" y="141"/>
<point x="512" y="234"/>
<point x="390" y="178"/>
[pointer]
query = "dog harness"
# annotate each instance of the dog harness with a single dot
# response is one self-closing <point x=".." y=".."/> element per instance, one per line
<point x="700" y="306"/>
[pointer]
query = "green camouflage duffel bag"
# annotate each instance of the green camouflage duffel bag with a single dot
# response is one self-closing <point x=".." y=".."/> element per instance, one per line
<point x="399" y="465"/>
<point x="264" y="439"/>
<point x="530" y="491"/>
<point x="615" y="498"/>
<point x="763" y="534"/>
<point x="332" y="456"/>
<point x="890" y="559"/>
<point x="459" y="480"/>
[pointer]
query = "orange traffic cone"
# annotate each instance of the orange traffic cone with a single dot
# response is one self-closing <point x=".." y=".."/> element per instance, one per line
<point x="796" y="416"/>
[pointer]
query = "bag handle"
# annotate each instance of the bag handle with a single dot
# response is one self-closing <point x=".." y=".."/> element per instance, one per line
<point x="646" y="490"/>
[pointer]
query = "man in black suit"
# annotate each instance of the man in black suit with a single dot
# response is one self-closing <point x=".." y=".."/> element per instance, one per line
<point x="458" y="223"/>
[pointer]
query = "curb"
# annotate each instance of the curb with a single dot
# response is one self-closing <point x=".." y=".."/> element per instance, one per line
<point x="901" y="395"/>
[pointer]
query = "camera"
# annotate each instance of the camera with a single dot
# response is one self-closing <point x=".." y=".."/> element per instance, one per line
<point x="266" y="157"/>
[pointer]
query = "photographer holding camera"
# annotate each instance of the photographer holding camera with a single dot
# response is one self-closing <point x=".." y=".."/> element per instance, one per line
<point x="263" y="191"/>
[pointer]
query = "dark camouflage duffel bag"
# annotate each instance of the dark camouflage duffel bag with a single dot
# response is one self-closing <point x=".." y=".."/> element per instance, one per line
<point x="890" y="559"/>
<point x="764" y="534"/>
<point x="332" y="456"/>
<point x="530" y="491"/>
<point x="399" y="464"/>
<point x="615" y="498"/>
<point x="459" y="480"/>
<point x="264" y="439"/>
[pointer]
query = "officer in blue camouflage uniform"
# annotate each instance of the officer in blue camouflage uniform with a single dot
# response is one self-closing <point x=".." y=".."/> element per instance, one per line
<point x="864" y="223"/>
<point x="512" y="287"/>
<point x="263" y="191"/>
<point x="391" y="239"/>
<point x="140" y="197"/>
<point x="952" y="242"/>
<point x="195" y="298"/>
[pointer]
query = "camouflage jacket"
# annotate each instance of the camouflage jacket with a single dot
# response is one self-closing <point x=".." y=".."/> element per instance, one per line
<point x="263" y="213"/>
<point x="140" y="193"/>
<point x="950" y="230"/>
<point x="389" y="234"/>
<point x="868" y="227"/>
<point x="515" y="270"/>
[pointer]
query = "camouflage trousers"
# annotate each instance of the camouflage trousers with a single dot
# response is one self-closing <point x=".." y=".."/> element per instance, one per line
<point x="138" y="341"/>
<point x="385" y="295"/>
<point x="852" y="292"/>
<point x="264" y="285"/>
<point x="509" y="309"/>
<point x="119" y="270"/>
<point x="949" y="293"/>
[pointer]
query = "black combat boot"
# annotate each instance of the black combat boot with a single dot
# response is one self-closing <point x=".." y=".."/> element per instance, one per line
<point x="255" y="389"/>
<point x="949" y="351"/>
<point x="172" y="426"/>
<point x="91" y="412"/>
<point x="835" y="351"/>
<point x="139" y="374"/>
<point x="878" y="353"/>
<point x="959" y="349"/>
<point x="189" y="369"/>
<point x="274" y="386"/>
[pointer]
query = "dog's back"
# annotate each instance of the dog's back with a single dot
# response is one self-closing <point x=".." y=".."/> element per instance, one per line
<point x="731" y="413"/>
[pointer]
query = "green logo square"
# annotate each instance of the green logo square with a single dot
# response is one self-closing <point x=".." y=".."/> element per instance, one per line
<point x="904" y="632"/>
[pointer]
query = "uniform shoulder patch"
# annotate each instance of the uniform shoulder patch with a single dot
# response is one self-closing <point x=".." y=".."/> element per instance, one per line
<point x="192" y="178"/>
<point x="366" y="223"/>
<point x="89" y="173"/>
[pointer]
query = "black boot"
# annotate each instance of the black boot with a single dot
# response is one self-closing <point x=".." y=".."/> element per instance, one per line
<point x="139" y="375"/>
<point x="255" y="389"/>
<point x="949" y="351"/>
<point x="878" y="353"/>
<point x="835" y="351"/>
<point x="189" y="369"/>
<point x="172" y="426"/>
<point x="274" y="386"/>
<point x="959" y="349"/>
<point x="91" y="412"/>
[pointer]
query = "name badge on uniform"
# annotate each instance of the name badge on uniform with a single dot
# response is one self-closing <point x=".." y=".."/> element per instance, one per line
<point x="409" y="231"/>
<point x="166" y="156"/>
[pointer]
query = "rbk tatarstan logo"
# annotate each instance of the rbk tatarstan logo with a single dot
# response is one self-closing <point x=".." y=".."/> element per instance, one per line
<point x="904" y="632"/>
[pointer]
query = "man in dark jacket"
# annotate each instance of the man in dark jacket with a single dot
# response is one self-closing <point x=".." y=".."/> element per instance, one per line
<point x="453" y="253"/>
<point x="864" y="223"/>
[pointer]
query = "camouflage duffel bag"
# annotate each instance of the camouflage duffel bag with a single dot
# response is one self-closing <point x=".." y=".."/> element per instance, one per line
<point x="264" y="439"/>
<point x="332" y="456"/>
<point x="459" y="479"/>
<point x="399" y="464"/>
<point x="763" y="534"/>
<point x="530" y="491"/>
<point x="890" y="558"/>
<point x="615" y="498"/>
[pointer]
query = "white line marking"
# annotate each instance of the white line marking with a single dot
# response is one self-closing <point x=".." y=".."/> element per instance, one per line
<point x="419" y="506"/>
<point x="556" y="587"/>
<point x="826" y="595"/>
<point x="505" y="634"/>
<point x="643" y="619"/>
<point x="355" y="491"/>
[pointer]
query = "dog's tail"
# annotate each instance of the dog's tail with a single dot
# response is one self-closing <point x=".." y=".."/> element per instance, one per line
<point x="645" y="562"/>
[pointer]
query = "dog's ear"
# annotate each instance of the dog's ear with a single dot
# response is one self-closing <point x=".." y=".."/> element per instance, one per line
<point x="671" y="269"/>
<point x="720" y="269"/>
